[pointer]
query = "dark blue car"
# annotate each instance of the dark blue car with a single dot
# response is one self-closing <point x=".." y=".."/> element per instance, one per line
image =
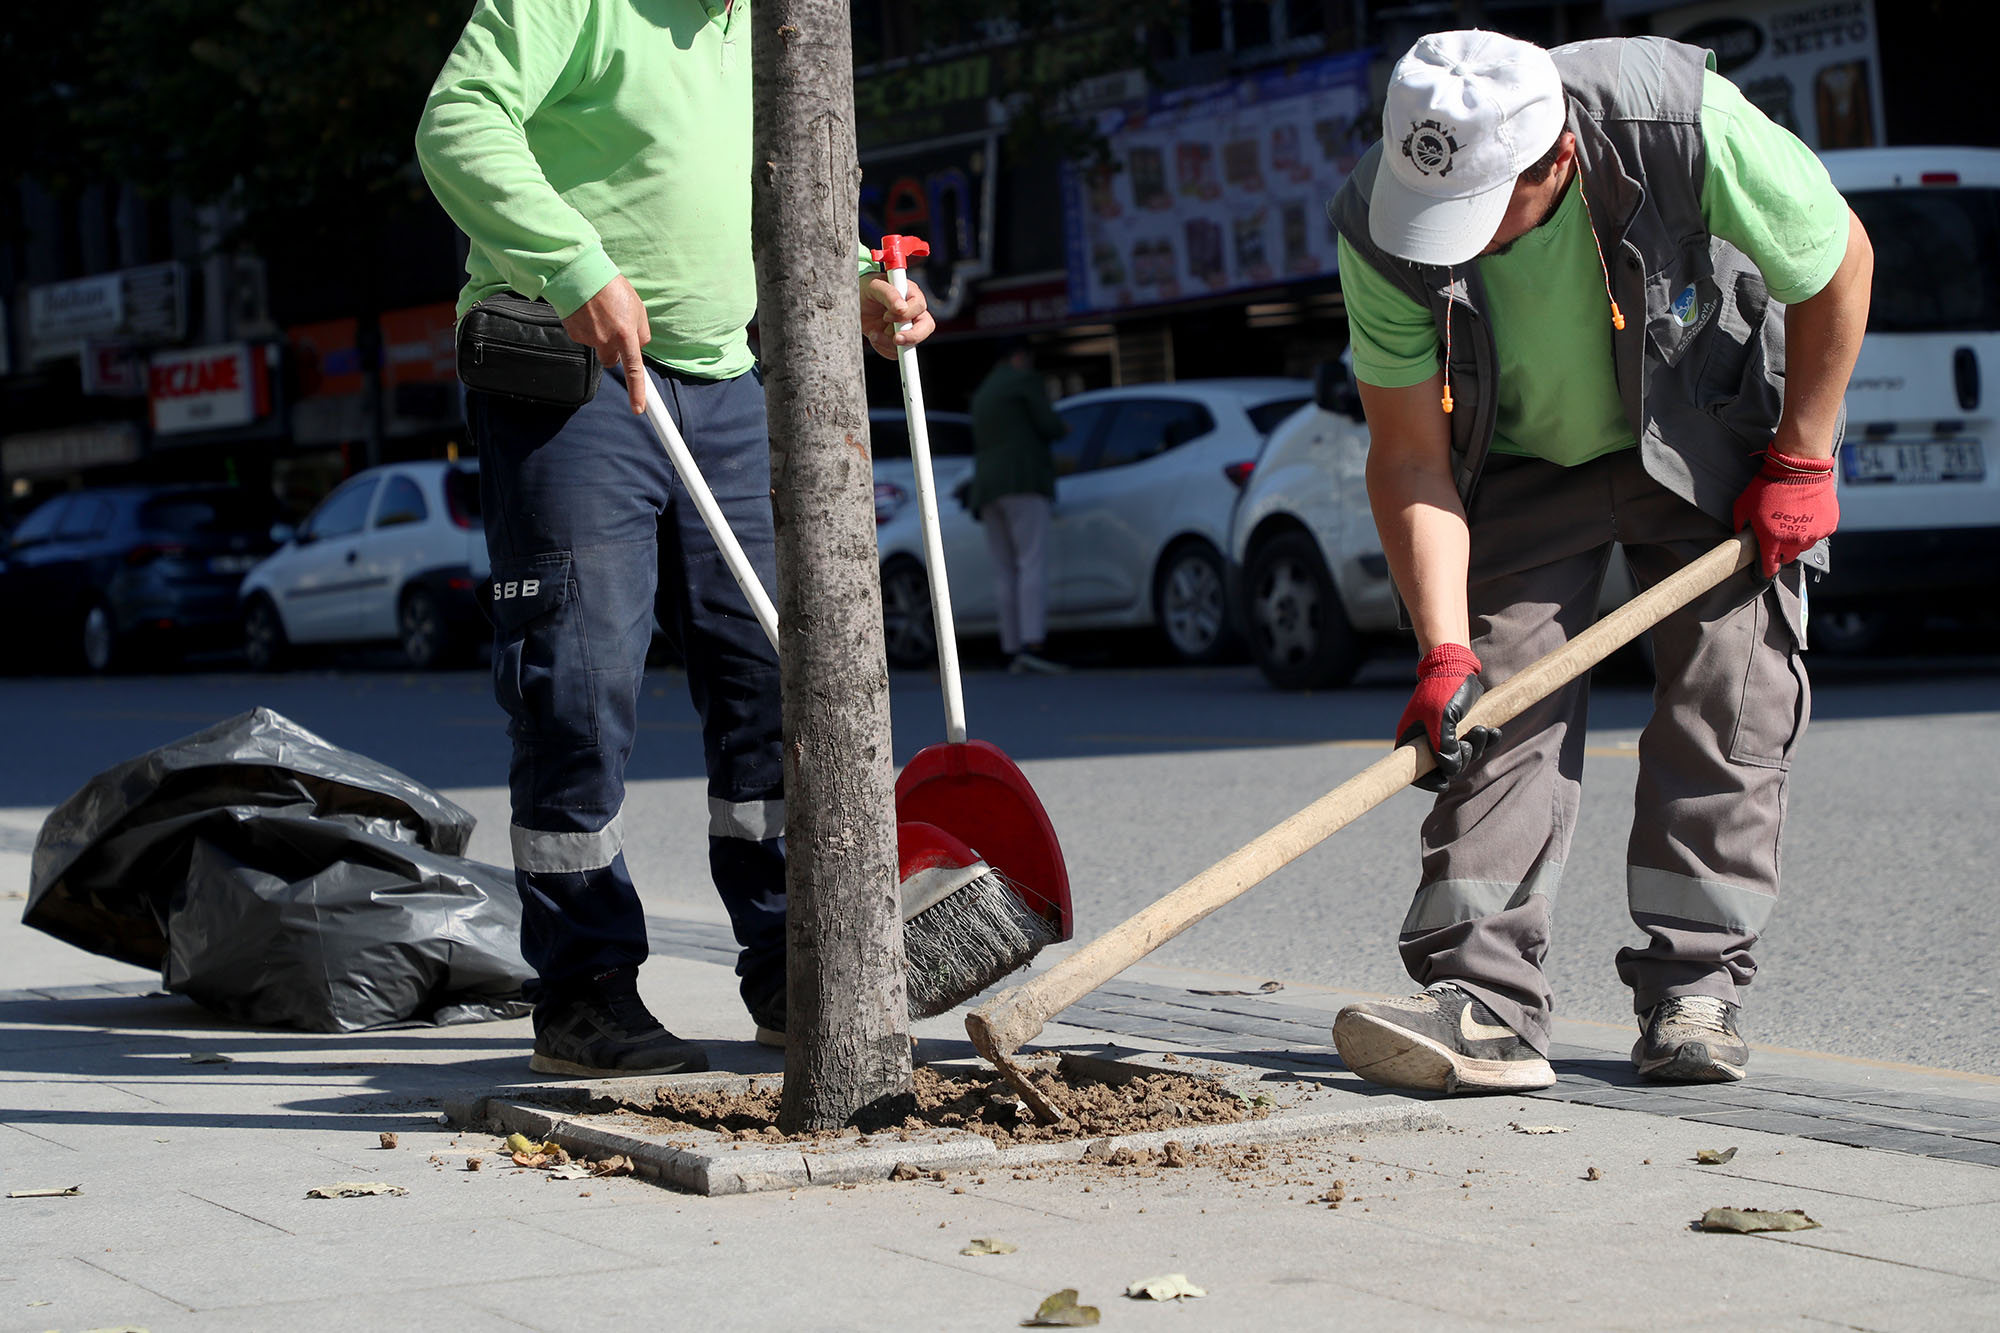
<point x="122" y="576"/>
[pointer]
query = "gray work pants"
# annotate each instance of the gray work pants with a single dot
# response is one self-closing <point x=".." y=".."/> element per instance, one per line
<point x="1729" y="705"/>
<point x="1017" y="539"/>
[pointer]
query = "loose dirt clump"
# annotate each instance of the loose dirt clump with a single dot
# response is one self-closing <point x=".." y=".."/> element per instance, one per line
<point x="981" y="1104"/>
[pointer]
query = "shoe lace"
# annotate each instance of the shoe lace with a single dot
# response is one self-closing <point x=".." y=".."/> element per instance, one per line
<point x="1697" y="1011"/>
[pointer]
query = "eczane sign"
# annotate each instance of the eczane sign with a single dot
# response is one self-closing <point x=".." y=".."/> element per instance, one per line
<point x="207" y="388"/>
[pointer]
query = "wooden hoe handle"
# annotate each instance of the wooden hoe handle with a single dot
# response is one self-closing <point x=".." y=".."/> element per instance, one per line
<point x="1015" y="1016"/>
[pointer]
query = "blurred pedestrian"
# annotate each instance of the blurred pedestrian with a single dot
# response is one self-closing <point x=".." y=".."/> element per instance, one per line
<point x="598" y="157"/>
<point x="1571" y="277"/>
<point x="1013" y="487"/>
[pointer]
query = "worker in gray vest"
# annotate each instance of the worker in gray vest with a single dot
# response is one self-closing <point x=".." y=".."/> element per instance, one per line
<point x="1571" y="277"/>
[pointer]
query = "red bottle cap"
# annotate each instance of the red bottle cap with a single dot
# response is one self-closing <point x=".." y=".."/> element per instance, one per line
<point x="898" y="251"/>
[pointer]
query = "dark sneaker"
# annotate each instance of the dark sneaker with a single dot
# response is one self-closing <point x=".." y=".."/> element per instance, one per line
<point x="769" y="1017"/>
<point x="1025" y="663"/>
<point x="606" y="1031"/>
<point x="1690" y="1039"/>
<point x="1443" y="1040"/>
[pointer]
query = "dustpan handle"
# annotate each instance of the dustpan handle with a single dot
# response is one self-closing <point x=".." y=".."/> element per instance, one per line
<point x="710" y="511"/>
<point x="927" y="512"/>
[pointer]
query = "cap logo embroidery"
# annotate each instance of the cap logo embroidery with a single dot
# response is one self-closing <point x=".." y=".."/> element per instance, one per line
<point x="1430" y="146"/>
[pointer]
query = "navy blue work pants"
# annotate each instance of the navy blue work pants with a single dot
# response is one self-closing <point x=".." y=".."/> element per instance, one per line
<point x="591" y="536"/>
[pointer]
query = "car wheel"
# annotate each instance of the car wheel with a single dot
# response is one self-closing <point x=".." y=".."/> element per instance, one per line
<point x="907" y="631"/>
<point x="1299" y="631"/>
<point x="421" y="630"/>
<point x="265" y="647"/>
<point x="1191" y="603"/>
<point x="98" y="647"/>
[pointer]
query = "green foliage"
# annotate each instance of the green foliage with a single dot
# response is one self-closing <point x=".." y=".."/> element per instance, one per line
<point x="299" y="112"/>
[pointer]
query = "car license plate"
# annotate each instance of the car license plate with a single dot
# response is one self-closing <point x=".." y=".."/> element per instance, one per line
<point x="231" y="564"/>
<point x="1906" y="462"/>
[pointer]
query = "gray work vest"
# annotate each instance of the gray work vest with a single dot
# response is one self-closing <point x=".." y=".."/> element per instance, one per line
<point x="1701" y="360"/>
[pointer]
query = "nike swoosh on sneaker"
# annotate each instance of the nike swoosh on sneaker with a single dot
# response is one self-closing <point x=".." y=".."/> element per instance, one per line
<point x="1473" y="1030"/>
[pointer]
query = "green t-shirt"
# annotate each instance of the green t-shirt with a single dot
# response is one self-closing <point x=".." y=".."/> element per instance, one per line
<point x="1764" y="192"/>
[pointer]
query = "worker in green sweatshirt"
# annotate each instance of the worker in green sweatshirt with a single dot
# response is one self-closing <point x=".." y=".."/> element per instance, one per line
<point x="597" y="154"/>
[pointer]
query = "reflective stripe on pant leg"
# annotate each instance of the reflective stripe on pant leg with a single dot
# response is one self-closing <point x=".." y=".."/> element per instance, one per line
<point x="755" y="821"/>
<point x="536" y="851"/>
<point x="1450" y="901"/>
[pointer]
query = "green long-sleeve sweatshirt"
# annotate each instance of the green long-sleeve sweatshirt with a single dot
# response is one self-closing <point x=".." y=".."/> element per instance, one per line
<point x="574" y="140"/>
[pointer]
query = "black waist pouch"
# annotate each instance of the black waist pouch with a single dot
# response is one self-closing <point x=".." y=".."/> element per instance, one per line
<point x="512" y="346"/>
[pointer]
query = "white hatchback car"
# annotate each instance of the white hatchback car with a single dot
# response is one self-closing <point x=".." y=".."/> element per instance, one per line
<point x="1919" y="479"/>
<point x="396" y="554"/>
<point x="1309" y="580"/>
<point x="1146" y="480"/>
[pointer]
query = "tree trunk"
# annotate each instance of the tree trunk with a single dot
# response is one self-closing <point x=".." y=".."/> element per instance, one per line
<point x="849" y="1056"/>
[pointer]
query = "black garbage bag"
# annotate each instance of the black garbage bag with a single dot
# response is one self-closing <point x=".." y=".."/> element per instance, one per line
<point x="279" y="879"/>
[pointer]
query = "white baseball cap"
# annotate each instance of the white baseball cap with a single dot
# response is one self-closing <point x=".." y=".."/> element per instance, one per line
<point x="1467" y="112"/>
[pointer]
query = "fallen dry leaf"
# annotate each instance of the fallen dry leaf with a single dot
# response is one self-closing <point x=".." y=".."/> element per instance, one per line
<point x="531" y="1159"/>
<point x="1746" y="1220"/>
<point x="209" y="1058"/>
<point x="57" y="1192"/>
<point x="388" y="1140"/>
<point x="1171" y="1287"/>
<point x="904" y="1171"/>
<point x="1062" y="1311"/>
<point x="351" y="1189"/>
<point x="570" y="1171"/>
<point x="1592" y="1173"/>
<point x="1712" y="1156"/>
<point x="620" y="1165"/>
<point x="987" y="1245"/>
<point x="1520" y="1128"/>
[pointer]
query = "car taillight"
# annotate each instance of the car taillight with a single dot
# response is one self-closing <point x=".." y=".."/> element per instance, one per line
<point x="889" y="497"/>
<point x="148" y="553"/>
<point x="459" y="584"/>
<point x="454" y="506"/>
<point x="1239" y="473"/>
<point x="1939" y="178"/>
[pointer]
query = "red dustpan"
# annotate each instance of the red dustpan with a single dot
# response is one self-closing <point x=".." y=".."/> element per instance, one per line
<point x="968" y="788"/>
<point x="975" y="792"/>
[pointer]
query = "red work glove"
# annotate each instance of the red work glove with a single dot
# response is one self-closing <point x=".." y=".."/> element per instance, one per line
<point x="1790" y="504"/>
<point x="1447" y="687"/>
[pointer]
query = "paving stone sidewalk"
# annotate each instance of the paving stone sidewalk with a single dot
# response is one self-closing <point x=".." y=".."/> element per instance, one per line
<point x="193" y="1211"/>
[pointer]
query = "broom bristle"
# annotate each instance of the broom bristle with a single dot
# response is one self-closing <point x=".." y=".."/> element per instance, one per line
<point x="968" y="940"/>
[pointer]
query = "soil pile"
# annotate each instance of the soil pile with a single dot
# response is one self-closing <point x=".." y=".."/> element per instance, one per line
<point x="984" y="1104"/>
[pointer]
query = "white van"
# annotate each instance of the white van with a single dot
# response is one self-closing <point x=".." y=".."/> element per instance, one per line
<point x="1919" y="476"/>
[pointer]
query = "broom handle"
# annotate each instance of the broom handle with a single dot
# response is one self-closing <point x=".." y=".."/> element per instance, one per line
<point x="927" y="511"/>
<point x="1017" y="1015"/>
<point x="710" y="511"/>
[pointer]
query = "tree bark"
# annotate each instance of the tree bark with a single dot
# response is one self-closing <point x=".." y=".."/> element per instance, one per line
<point x="849" y="1055"/>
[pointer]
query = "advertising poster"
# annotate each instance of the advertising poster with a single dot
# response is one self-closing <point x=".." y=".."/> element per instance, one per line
<point x="1810" y="65"/>
<point x="1217" y="189"/>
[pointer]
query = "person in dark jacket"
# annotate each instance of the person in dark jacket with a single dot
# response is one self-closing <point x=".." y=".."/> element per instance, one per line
<point x="1013" y="485"/>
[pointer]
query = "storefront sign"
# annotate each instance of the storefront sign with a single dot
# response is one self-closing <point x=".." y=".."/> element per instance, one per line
<point x="146" y="306"/>
<point x="112" y="370"/>
<point x="55" y="453"/>
<point x="943" y="193"/>
<point x="324" y="360"/>
<point x="418" y="345"/>
<point x="1217" y="189"/>
<point x="1810" y="65"/>
<point x="208" y="388"/>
